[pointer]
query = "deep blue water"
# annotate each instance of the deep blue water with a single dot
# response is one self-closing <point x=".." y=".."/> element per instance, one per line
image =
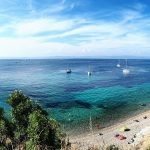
<point x="107" y="95"/>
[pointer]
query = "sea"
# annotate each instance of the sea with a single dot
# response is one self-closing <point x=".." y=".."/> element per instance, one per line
<point x="76" y="100"/>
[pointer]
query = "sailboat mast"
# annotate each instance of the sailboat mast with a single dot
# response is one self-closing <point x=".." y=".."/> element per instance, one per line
<point x="126" y="63"/>
<point x="89" y="68"/>
<point x="90" y="124"/>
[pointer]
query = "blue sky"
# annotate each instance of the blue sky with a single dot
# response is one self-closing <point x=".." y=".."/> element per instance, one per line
<point x="80" y="28"/>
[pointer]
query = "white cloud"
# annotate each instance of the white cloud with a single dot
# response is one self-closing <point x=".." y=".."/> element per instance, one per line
<point x="98" y="30"/>
<point x="26" y="47"/>
<point x="133" y="45"/>
<point x="124" y="36"/>
<point x="54" y="9"/>
<point x="58" y="7"/>
<point x="37" y="26"/>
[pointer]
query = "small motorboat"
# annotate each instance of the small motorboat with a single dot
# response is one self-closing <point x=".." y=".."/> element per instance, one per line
<point x="68" y="71"/>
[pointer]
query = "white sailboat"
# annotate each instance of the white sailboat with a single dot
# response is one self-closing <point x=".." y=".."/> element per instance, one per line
<point x="89" y="72"/>
<point x="118" y="65"/>
<point x="126" y="71"/>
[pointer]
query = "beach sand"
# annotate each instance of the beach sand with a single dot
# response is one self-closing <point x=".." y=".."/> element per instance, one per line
<point x="86" y="140"/>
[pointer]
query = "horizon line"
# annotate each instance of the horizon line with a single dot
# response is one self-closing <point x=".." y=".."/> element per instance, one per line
<point x="80" y="57"/>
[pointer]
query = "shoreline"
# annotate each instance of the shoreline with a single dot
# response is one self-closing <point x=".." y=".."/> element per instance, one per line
<point x="85" y="140"/>
<point x="84" y="128"/>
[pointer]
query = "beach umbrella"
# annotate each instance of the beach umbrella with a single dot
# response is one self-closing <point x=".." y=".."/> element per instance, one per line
<point x="123" y="129"/>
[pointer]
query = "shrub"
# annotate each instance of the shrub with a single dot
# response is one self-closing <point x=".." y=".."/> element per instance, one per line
<point x="29" y="127"/>
<point x="5" y="131"/>
<point x="112" y="147"/>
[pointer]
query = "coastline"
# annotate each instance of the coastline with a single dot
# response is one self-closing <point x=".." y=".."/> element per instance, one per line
<point x="85" y="140"/>
<point x="83" y="129"/>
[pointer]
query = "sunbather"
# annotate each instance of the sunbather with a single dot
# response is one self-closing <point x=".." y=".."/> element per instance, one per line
<point x="120" y="137"/>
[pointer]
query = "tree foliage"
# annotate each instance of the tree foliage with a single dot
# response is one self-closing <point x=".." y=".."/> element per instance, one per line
<point x="29" y="126"/>
<point x="5" y="131"/>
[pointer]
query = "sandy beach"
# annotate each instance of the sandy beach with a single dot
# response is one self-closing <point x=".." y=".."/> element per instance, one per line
<point x="139" y="130"/>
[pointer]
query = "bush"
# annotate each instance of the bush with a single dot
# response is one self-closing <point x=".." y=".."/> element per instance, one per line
<point x="5" y="131"/>
<point x="148" y="148"/>
<point x="112" y="147"/>
<point x="29" y="126"/>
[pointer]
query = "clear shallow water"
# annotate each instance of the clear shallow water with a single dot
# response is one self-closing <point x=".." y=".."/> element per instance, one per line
<point x="107" y="95"/>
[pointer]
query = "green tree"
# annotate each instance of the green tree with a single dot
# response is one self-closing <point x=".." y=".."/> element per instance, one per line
<point x="6" y="132"/>
<point x="31" y="125"/>
<point x="21" y="108"/>
<point x="42" y="132"/>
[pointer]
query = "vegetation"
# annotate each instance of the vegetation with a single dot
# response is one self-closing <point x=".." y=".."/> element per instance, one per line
<point x="29" y="127"/>
<point x="112" y="147"/>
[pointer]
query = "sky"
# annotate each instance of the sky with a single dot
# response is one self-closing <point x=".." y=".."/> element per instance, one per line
<point x="74" y="28"/>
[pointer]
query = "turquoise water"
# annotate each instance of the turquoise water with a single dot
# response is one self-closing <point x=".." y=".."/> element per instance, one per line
<point x="107" y="95"/>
